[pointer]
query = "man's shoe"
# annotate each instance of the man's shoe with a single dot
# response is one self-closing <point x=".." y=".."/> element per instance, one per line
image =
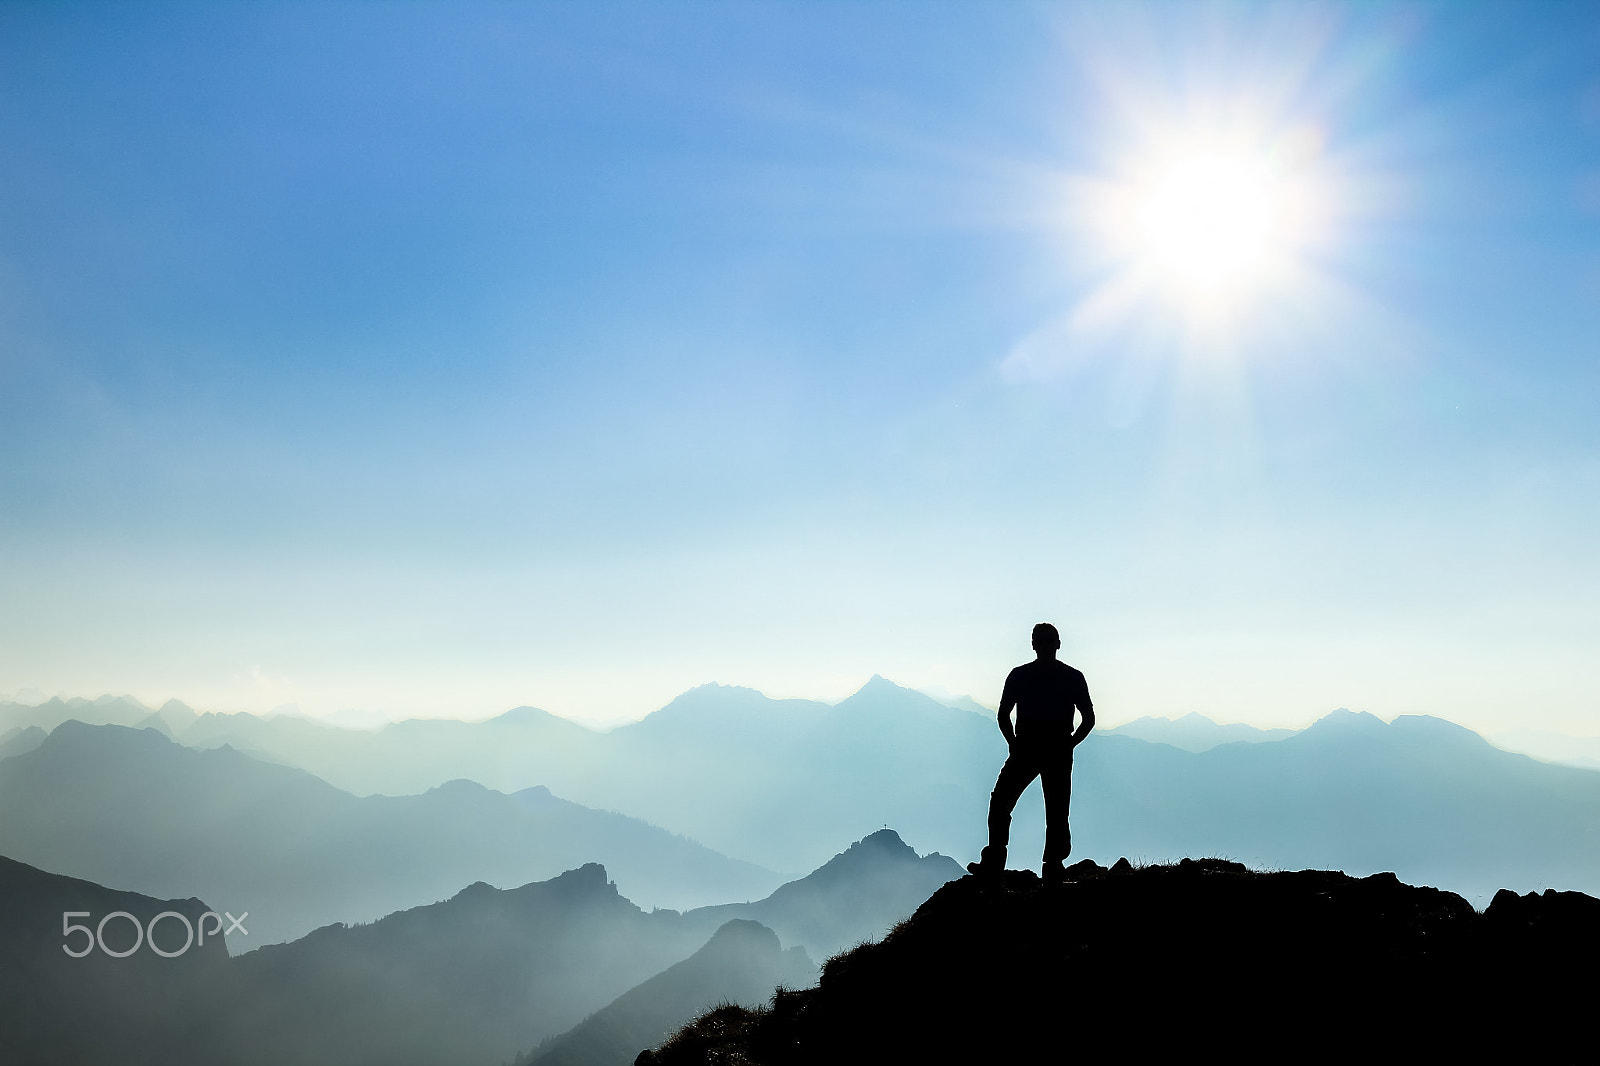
<point x="991" y="862"/>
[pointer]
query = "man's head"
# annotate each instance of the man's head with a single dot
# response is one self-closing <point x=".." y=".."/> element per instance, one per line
<point x="1045" y="638"/>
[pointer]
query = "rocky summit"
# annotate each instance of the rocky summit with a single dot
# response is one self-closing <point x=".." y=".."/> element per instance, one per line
<point x="1203" y="958"/>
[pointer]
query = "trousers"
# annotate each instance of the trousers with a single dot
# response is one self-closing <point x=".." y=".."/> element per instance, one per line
<point x="1050" y="760"/>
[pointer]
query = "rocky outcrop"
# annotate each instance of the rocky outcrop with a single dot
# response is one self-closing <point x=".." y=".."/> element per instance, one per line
<point x="1199" y="958"/>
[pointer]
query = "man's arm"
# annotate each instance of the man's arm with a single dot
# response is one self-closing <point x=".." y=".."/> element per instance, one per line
<point x="1086" y="709"/>
<point x="1008" y="700"/>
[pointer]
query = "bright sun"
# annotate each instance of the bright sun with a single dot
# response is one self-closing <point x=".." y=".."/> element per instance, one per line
<point x="1209" y="222"/>
<point x="1213" y="228"/>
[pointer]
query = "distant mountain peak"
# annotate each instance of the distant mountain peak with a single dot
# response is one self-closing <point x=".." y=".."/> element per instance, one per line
<point x="880" y="692"/>
<point x="534" y="716"/>
<point x="871" y="851"/>
<point x="458" y="786"/>
<point x="1343" y="719"/>
<point x="885" y="839"/>
<point x="108" y="700"/>
<point x="711" y="695"/>
<point x="590" y="876"/>
<point x="856" y="895"/>
<point x="587" y="881"/>
<point x="742" y="933"/>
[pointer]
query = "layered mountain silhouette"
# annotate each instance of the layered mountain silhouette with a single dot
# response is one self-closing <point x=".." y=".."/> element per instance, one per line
<point x="144" y="1007"/>
<point x="130" y="807"/>
<point x="490" y="972"/>
<point x="105" y="710"/>
<point x="518" y="749"/>
<point x="742" y="963"/>
<point x="21" y="740"/>
<point x="781" y="782"/>
<point x="475" y="979"/>
<point x="1201" y="958"/>
<point x="572" y="969"/>
<point x="1420" y="796"/>
<point x="854" y="897"/>
<point x="776" y="782"/>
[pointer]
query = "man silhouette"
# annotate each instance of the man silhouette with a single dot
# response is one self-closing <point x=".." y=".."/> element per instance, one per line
<point x="1044" y="693"/>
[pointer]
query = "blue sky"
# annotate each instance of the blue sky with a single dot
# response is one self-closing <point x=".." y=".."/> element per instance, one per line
<point x="435" y="359"/>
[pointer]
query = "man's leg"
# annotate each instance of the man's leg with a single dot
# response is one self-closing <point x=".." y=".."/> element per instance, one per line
<point x="1015" y="776"/>
<point x="1056" y="779"/>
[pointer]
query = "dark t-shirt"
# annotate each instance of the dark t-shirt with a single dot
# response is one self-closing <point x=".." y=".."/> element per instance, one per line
<point x="1045" y="691"/>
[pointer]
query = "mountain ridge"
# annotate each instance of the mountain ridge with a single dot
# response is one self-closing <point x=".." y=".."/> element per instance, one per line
<point x="1195" y="732"/>
<point x="779" y="783"/>
<point x="743" y="963"/>
<point x="857" y="895"/>
<point x="117" y="805"/>
<point x="473" y="978"/>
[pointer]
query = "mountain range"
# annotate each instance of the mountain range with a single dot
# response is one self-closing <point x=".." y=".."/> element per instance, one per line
<point x="566" y="967"/>
<point x="779" y="783"/>
<point x="476" y="978"/>
<point x="131" y="807"/>
<point x="1419" y="796"/>
<point x="490" y="972"/>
